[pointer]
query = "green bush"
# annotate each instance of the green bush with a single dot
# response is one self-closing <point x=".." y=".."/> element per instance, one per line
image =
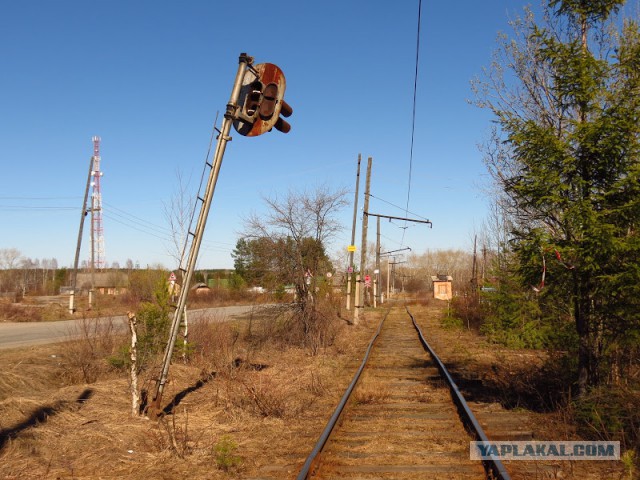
<point x="279" y="293"/>
<point x="237" y="283"/>
<point x="452" y="322"/>
<point x="609" y="413"/>
<point x="225" y="453"/>
<point x="154" y="322"/>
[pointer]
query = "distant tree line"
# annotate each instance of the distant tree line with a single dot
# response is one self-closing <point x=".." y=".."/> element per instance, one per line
<point x="22" y="275"/>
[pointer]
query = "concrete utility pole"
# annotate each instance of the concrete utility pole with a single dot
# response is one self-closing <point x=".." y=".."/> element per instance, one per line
<point x="83" y="214"/>
<point x="353" y="235"/>
<point x="393" y="274"/>
<point x="389" y="278"/>
<point x="387" y="254"/>
<point x="92" y="260"/>
<point x="376" y="281"/>
<point x="363" y="252"/>
<point x="474" y="268"/>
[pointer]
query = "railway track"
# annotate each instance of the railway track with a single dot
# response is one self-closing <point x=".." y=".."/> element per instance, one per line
<point x="401" y="417"/>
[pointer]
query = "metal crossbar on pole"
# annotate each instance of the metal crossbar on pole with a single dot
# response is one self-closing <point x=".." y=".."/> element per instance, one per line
<point x="394" y="251"/>
<point x="378" y="253"/>
<point x="400" y="218"/>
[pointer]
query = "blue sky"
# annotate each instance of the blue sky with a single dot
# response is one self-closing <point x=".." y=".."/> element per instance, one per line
<point x="149" y="77"/>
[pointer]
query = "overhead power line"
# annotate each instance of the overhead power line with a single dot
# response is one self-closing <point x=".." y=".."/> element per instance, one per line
<point x="138" y="224"/>
<point x="40" y="198"/>
<point x="413" y="119"/>
<point x="27" y="203"/>
<point x="35" y="207"/>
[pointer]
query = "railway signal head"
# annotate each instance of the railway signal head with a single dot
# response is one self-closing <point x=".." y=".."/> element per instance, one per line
<point x="262" y="101"/>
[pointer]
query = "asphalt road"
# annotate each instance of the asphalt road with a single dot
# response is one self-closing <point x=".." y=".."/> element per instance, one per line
<point x="19" y="334"/>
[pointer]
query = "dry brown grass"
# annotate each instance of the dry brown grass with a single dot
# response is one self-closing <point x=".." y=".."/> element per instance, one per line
<point x="490" y="376"/>
<point x="86" y="356"/>
<point x="56" y="307"/>
<point x="11" y="312"/>
<point x="245" y="403"/>
<point x="238" y="405"/>
<point x="371" y="392"/>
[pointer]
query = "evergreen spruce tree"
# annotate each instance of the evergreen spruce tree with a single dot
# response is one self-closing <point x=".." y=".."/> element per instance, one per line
<point x="566" y="98"/>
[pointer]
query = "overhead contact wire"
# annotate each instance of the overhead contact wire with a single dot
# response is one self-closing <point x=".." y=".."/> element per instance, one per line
<point x="413" y="120"/>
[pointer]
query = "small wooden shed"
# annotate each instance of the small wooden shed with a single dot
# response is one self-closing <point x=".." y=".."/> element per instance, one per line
<point x="442" y="287"/>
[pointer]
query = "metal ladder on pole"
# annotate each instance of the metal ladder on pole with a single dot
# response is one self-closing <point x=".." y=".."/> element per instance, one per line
<point x="194" y="237"/>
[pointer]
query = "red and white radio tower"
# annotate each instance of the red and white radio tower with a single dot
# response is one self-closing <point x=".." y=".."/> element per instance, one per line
<point x="97" y="233"/>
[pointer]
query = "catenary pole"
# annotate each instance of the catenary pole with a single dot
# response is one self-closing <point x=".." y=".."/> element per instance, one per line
<point x="363" y="245"/>
<point x="376" y="284"/>
<point x="353" y="234"/>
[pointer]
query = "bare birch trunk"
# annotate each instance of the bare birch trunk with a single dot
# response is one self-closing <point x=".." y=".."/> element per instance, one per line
<point x="185" y="335"/>
<point x="135" y="397"/>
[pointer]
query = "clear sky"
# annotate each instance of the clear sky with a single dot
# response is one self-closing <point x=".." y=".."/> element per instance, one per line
<point x="149" y="77"/>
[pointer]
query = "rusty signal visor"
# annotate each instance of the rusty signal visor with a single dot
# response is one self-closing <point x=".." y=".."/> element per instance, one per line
<point x="261" y="101"/>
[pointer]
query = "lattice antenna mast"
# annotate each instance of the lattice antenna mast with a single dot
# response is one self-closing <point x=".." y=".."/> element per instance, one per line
<point x="97" y="232"/>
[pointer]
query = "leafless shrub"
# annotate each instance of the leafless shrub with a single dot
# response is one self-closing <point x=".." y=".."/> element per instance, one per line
<point x="177" y="435"/>
<point x="279" y="392"/>
<point x="298" y="325"/>
<point x="266" y="328"/>
<point x="171" y="434"/>
<point x="265" y="396"/>
<point x="18" y="313"/>
<point x="92" y="341"/>
<point x="214" y="345"/>
<point x="317" y="386"/>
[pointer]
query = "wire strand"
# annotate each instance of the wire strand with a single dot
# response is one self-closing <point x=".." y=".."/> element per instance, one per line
<point x="413" y="120"/>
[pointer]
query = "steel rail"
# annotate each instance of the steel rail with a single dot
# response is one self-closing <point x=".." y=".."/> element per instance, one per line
<point x="493" y="467"/>
<point x="317" y="449"/>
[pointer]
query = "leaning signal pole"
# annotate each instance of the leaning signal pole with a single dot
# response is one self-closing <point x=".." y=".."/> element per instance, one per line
<point x="257" y="100"/>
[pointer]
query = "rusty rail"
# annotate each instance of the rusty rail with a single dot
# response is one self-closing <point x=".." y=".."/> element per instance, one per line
<point x="326" y="433"/>
<point x="493" y="467"/>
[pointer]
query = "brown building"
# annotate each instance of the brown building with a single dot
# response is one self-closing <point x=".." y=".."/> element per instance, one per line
<point x="442" y="287"/>
<point x="106" y="283"/>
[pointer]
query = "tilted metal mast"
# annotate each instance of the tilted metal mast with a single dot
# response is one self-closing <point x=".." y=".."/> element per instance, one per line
<point x="195" y="237"/>
<point x="260" y="89"/>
